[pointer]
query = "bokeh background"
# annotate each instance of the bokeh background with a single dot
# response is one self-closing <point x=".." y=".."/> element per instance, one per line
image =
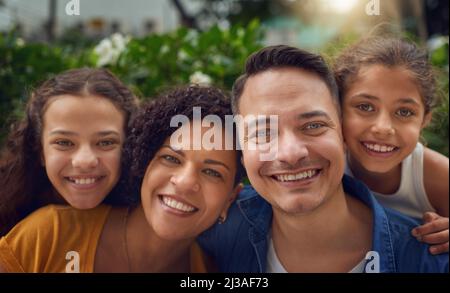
<point x="154" y="44"/>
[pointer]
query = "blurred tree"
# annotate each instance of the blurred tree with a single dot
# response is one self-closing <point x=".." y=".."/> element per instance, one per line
<point x="186" y="19"/>
<point x="51" y="22"/>
<point x="224" y="12"/>
<point x="437" y="17"/>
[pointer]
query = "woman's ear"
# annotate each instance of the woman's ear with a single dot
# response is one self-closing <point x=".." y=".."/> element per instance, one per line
<point x="231" y="199"/>
<point x="427" y="119"/>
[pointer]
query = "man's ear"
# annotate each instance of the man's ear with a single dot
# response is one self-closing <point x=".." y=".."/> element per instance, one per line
<point x="427" y="119"/>
<point x="234" y="194"/>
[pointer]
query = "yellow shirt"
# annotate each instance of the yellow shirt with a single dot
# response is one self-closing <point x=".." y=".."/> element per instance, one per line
<point x="51" y="238"/>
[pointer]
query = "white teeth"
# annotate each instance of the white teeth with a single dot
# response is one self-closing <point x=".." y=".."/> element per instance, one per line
<point x="83" y="181"/>
<point x="293" y="177"/>
<point x="379" y="148"/>
<point x="177" y="205"/>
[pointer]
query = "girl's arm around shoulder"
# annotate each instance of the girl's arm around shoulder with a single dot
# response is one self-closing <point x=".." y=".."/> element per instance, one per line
<point x="436" y="182"/>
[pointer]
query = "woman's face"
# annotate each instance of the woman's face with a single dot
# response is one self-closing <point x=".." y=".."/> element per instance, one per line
<point x="82" y="141"/>
<point x="184" y="191"/>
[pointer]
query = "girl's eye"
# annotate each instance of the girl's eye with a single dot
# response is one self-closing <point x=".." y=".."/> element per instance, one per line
<point x="106" y="143"/>
<point x="365" y="107"/>
<point x="405" y="113"/>
<point x="64" y="143"/>
<point x="212" y="172"/>
<point x="171" y="159"/>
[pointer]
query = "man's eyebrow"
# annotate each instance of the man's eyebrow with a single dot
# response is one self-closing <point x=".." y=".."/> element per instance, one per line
<point x="214" y="162"/>
<point x="314" y="114"/>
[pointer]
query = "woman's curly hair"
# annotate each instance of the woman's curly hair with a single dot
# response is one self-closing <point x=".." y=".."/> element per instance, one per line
<point x="151" y="128"/>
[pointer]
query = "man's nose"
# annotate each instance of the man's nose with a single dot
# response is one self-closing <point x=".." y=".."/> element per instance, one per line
<point x="291" y="149"/>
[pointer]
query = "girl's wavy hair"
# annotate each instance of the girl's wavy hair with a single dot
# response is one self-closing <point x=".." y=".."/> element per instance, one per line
<point x="24" y="185"/>
<point x="152" y="127"/>
<point x="389" y="52"/>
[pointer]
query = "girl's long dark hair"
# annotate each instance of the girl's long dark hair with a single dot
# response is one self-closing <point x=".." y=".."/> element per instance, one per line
<point x="24" y="185"/>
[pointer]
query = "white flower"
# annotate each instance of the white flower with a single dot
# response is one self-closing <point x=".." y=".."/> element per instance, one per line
<point x="105" y="52"/>
<point x="164" y="49"/>
<point x="436" y="42"/>
<point x="20" y="42"/>
<point x="110" y="49"/>
<point x="200" y="78"/>
<point x="119" y="42"/>
<point x="182" y="55"/>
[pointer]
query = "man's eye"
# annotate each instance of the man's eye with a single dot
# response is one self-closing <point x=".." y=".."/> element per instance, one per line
<point x="365" y="107"/>
<point x="405" y="113"/>
<point x="171" y="159"/>
<point x="213" y="173"/>
<point x="263" y="135"/>
<point x="314" y="126"/>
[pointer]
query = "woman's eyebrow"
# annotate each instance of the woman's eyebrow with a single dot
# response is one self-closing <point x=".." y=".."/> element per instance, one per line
<point x="214" y="162"/>
<point x="180" y="152"/>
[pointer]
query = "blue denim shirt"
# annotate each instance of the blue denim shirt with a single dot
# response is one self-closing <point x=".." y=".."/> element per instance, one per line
<point x="241" y="243"/>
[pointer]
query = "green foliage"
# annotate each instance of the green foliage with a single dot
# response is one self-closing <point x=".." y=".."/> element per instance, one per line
<point x="436" y="135"/>
<point x="147" y="64"/>
<point x="22" y="66"/>
<point x="159" y="61"/>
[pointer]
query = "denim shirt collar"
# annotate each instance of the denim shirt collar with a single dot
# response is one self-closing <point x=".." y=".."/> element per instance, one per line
<point x="258" y="213"/>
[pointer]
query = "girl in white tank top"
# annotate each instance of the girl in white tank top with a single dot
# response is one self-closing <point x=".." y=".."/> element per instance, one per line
<point x="387" y="94"/>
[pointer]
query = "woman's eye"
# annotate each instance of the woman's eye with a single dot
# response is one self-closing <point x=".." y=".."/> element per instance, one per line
<point x="365" y="107"/>
<point x="213" y="173"/>
<point x="405" y="112"/>
<point x="171" y="159"/>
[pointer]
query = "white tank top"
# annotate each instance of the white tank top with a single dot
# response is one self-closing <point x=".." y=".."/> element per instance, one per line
<point x="410" y="198"/>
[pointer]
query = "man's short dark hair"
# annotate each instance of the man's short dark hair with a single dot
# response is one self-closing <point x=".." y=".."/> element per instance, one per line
<point x="280" y="56"/>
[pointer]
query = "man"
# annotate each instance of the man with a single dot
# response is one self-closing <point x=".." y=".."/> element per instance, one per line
<point x="302" y="214"/>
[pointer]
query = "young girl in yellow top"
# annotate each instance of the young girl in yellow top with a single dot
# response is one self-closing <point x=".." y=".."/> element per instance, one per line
<point x="67" y="148"/>
<point x="387" y="94"/>
<point x="183" y="191"/>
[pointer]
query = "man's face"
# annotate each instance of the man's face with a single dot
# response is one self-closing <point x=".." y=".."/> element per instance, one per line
<point x="309" y="160"/>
